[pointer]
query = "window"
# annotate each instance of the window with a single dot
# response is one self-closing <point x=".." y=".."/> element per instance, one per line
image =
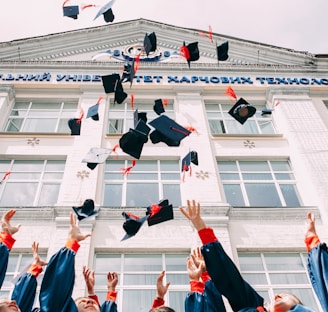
<point x="137" y="279"/>
<point x="18" y="262"/>
<point x="148" y="182"/>
<point x="121" y="116"/>
<point x="259" y="183"/>
<point x="273" y="273"/>
<point x="223" y="123"/>
<point x="45" y="117"/>
<point x="31" y="182"/>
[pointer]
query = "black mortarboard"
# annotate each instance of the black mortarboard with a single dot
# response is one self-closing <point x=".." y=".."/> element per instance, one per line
<point x="150" y="43"/>
<point x="110" y="82"/>
<point x="167" y="131"/>
<point x="96" y="155"/>
<point x="133" y="141"/>
<point x="222" y="51"/>
<point x="159" y="107"/>
<point x="93" y="112"/>
<point x="159" y="213"/>
<point x="75" y="125"/>
<point x="266" y="111"/>
<point x="191" y="52"/>
<point x="128" y="73"/>
<point x="120" y="95"/>
<point x="191" y="157"/>
<point x="87" y="210"/>
<point x="71" y="11"/>
<point x="132" y="224"/>
<point x="139" y="115"/>
<point x="107" y="12"/>
<point x="242" y="110"/>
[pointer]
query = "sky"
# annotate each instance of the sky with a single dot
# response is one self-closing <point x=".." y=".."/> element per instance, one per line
<point x="300" y="25"/>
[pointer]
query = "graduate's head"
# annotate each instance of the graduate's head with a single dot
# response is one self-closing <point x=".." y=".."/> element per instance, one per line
<point x="7" y="305"/>
<point x="162" y="309"/>
<point x="86" y="304"/>
<point x="283" y="302"/>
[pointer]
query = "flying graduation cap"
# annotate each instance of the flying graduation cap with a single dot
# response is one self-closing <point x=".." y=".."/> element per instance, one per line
<point x="222" y="51"/>
<point x="112" y="84"/>
<point x="160" y="212"/>
<point x="150" y="43"/>
<point x="159" y="107"/>
<point x="87" y="210"/>
<point x="132" y="142"/>
<point x="139" y="115"/>
<point x="132" y="224"/>
<point x="95" y="156"/>
<point x="167" y="131"/>
<point x="190" y="158"/>
<point x="242" y="110"/>
<point x="107" y="12"/>
<point x="75" y="125"/>
<point x="190" y="52"/>
<point x="93" y="110"/>
<point x="128" y="73"/>
<point x="71" y="11"/>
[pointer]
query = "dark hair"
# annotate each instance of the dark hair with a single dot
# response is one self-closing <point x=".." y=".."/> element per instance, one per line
<point x="162" y="309"/>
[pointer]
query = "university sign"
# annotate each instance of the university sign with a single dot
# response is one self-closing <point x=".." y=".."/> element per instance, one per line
<point x="171" y="79"/>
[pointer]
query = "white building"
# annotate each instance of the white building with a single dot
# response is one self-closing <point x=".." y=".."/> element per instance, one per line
<point x="255" y="181"/>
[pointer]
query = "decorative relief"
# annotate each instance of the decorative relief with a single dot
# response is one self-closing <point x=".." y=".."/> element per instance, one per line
<point x="33" y="141"/>
<point x="202" y="175"/>
<point x="82" y="174"/>
<point x="249" y="144"/>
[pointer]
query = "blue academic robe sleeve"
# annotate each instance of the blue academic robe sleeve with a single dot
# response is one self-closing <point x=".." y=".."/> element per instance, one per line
<point x="317" y="265"/>
<point x="4" y="255"/>
<point x="24" y="292"/>
<point x="58" y="282"/>
<point x="108" y="306"/>
<point x="227" y="278"/>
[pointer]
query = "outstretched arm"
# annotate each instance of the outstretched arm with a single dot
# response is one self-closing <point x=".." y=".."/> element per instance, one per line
<point x="161" y="291"/>
<point x="311" y="238"/>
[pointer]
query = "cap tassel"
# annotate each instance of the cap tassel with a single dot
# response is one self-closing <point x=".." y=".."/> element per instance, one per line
<point x="229" y="91"/>
<point x="88" y="6"/>
<point x="99" y="99"/>
<point x="209" y="35"/>
<point x="5" y="176"/>
<point x="65" y="2"/>
<point x="126" y="171"/>
<point x="136" y="62"/>
<point x="132" y="216"/>
<point x="165" y="102"/>
<point x="192" y="129"/>
<point x="179" y="130"/>
<point x="185" y="168"/>
<point x="185" y="52"/>
<point x="132" y="101"/>
<point x="81" y="116"/>
<point x="155" y="209"/>
<point x="277" y="103"/>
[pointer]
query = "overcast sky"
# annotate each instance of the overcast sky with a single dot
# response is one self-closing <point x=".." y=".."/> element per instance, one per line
<point x="295" y="24"/>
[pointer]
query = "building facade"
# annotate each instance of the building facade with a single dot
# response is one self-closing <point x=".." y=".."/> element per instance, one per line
<point x="255" y="181"/>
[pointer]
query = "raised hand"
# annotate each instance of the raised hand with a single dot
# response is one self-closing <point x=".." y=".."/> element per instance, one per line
<point x="75" y="232"/>
<point x="310" y="225"/>
<point x="198" y="258"/>
<point x="5" y="222"/>
<point x="112" y="280"/>
<point x="193" y="214"/>
<point x="89" y="277"/>
<point x="36" y="257"/>
<point x="194" y="272"/>
<point x="160" y="287"/>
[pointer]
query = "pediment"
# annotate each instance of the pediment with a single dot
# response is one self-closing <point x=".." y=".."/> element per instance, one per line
<point x="119" y="42"/>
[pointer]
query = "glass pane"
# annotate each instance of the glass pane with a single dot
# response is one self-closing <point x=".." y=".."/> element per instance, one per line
<point x="250" y="127"/>
<point x="229" y="176"/>
<point x="106" y="262"/>
<point x="257" y="176"/>
<point x="14" y="125"/>
<point x="114" y="165"/>
<point x="178" y="279"/>
<point x="26" y="261"/>
<point x="137" y="298"/>
<point x="53" y="176"/>
<point x="28" y="165"/>
<point x="290" y="195"/>
<point x="45" y="106"/>
<point x="24" y="194"/>
<point x="140" y="279"/>
<point x="264" y="194"/>
<point x="113" y="195"/>
<point x="21" y="105"/>
<point x="39" y="125"/>
<point x="177" y="299"/>
<point x="250" y="262"/>
<point x="12" y="262"/>
<point x="25" y="175"/>
<point x="284" y="176"/>
<point x="140" y="263"/>
<point x="266" y="127"/>
<point x="227" y="166"/>
<point x="63" y="126"/>
<point x="172" y="191"/>
<point x="170" y="176"/>
<point x="285" y="262"/>
<point x="288" y="278"/>
<point x="217" y="126"/>
<point x="280" y="165"/>
<point x="175" y="262"/>
<point x="141" y="194"/>
<point x="4" y="165"/>
<point x="234" y="195"/>
<point x="55" y="165"/>
<point x="113" y="176"/>
<point x="254" y="166"/>
<point x="49" y="194"/>
<point x="115" y="126"/>
<point x="169" y="165"/>
<point x="255" y="278"/>
<point x="142" y="176"/>
<point x="146" y="165"/>
<point x="234" y="127"/>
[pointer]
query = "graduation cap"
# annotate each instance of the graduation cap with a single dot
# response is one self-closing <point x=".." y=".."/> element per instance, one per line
<point x="159" y="213"/>
<point x="139" y="115"/>
<point x="167" y="131"/>
<point x="133" y="141"/>
<point x="120" y="95"/>
<point x="87" y="210"/>
<point x="71" y="11"/>
<point x="96" y="155"/>
<point x="132" y="224"/>
<point x="159" y="107"/>
<point x="75" y="126"/>
<point x="266" y="111"/>
<point x="150" y="43"/>
<point x="110" y="82"/>
<point x="190" y="52"/>
<point x="190" y="158"/>
<point x="107" y="12"/>
<point x="222" y="51"/>
<point x="93" y="112"/>
<point x="128" y="72"/>
<point x="242" y="110"/>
